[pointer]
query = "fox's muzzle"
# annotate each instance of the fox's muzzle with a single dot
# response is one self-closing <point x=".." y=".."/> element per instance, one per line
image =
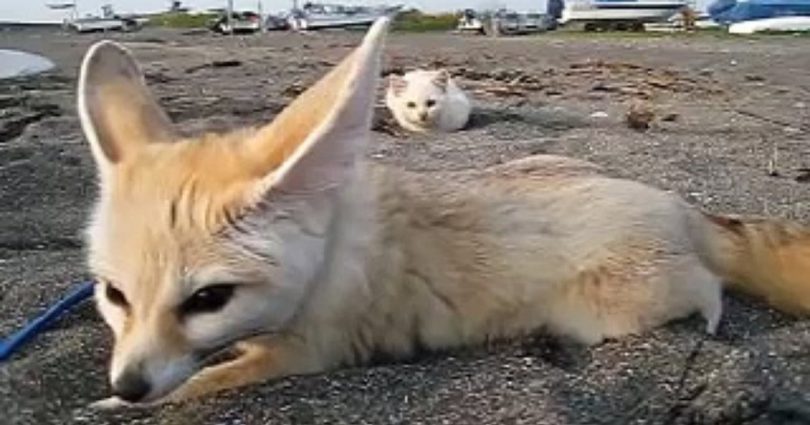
<point x="132" y="385"/>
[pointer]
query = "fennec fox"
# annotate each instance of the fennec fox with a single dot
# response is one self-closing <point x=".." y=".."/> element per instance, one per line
<point x="282" y="241"/>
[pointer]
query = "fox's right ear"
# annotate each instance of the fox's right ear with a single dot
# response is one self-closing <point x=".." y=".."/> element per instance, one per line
<point x="314" y="143"/>
<point x="117" y="111"/>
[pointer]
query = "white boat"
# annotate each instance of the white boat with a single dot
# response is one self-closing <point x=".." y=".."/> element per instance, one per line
<point x="471" y="22"/>
<point x="631" y="12"/>
<point x="109" y="21"/>
<point x="313" y="16"/>
<point x="98" y="24"/>
<point x="781" y="24"/>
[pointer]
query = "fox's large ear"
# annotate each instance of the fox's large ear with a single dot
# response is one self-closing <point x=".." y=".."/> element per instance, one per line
<point x="314" y="143"/>
<point x="117" y="112"/>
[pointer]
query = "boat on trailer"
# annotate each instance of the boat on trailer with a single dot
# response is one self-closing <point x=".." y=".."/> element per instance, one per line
<point x="108" y="21"/>
<point x="314" y="16"/>
<point x="619" y="14"/>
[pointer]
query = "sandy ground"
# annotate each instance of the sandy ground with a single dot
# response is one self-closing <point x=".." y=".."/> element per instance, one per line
<point x="729" y="110"/>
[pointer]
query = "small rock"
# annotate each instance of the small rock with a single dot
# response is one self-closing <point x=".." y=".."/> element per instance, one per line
<point x="603" y="87"/>
<point x="671" y="117"/>
<point x="804" y="175"/>
<point x="226" y="63"/>
<point x="800" y="105"/>
<point x="215" y="64"/>
<point x="639" y="117"/>
<point x="294" y="89"/>
<point x="599" y="114"/>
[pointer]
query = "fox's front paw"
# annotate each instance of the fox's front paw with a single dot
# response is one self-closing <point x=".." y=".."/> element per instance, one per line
<point x="110" y="403"/>
<point x="115" y="403"/>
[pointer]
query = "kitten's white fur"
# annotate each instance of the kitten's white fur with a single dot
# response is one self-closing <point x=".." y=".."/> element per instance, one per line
<point x="425" y="100"/>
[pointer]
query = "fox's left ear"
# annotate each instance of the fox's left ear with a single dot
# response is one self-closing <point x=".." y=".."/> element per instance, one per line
<point x="117" y="111"/>
<point x="314" y="143"/>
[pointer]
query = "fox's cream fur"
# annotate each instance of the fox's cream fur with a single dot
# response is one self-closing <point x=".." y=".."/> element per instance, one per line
<point x="281" y="240"/>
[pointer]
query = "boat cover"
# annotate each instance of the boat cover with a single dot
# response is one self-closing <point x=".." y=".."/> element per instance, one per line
<point x="730" y="11"/>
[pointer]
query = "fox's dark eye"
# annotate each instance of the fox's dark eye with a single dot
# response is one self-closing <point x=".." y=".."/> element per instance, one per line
<point x="412" y="105"/>
<point x="430" y="103"/>
<point x="207" y="300"/>
<point x="115" y="296"/>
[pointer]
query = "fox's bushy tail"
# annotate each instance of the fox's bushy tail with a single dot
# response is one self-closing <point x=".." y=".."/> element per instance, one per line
<point x="766" y="258"/>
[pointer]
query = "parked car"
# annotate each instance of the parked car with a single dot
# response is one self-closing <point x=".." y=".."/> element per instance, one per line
<point x="511" y="22"/>
<point x="276" y="23"/>
<point x="241" y="23"/>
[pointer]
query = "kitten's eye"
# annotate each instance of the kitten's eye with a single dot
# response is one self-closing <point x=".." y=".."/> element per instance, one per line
<point x="430" y="103"/>
<point x="115" y="296"/>
<point x="207" y="300"/>
<point x="411" y="105"/>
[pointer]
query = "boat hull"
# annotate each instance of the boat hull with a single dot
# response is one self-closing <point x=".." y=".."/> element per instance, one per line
<point x="323" y="16"/>
<point x="622" y="11"/>
<point x="781" y="24"/>
<point x="313" y="23"/>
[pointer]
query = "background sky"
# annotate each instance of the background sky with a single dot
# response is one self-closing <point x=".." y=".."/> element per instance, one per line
<point x="37" y="11"/>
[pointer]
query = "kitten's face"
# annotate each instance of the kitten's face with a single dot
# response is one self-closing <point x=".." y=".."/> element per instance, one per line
<point x="420" y="95"/>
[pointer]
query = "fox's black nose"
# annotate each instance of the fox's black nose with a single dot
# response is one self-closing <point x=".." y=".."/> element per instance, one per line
<point x="423" y="116"/>
<point x="131" y="386"/>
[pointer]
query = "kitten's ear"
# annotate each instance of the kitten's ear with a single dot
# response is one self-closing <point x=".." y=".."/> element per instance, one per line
<point x="314" y="143"/>
<point x="397" y="84"/>
<point x="117" y="112"/>
<point x="442" y="78"/>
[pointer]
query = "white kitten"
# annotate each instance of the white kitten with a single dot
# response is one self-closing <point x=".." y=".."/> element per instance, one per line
<point x="427" y="100"/>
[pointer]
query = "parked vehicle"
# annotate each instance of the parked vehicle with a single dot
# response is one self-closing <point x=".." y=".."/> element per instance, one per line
<point x="509" y="22"/>
<point x="240" y="23"/>
<point x="276" y="23"/>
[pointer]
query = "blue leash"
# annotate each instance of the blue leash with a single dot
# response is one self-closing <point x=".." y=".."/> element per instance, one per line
<point x="13" y="343"/>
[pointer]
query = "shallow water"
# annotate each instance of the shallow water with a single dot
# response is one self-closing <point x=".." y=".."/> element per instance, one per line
<point x="15" y="63"/>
